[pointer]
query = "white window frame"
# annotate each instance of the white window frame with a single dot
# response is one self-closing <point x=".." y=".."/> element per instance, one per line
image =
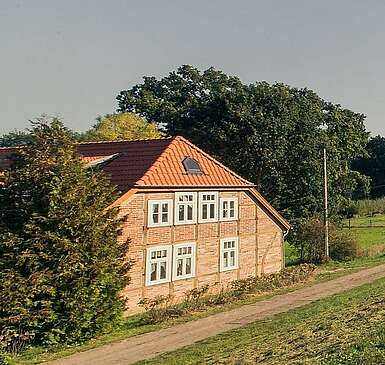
<point x="228" y="200"/>
<point x="150" y="222"/>
<point x="176" y="256"/>
<point x="178" y="203"/>
<point x="149" y="261"/>
<point x="201" y="203"/>
<point x="222" y="250"/>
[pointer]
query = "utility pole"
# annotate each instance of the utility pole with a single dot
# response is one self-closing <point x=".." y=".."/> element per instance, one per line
<point x="326" y="213"/>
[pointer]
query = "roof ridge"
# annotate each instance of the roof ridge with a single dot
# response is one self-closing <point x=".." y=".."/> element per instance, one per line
<point x="212" y="159"/>
<point x="123" y="141"/>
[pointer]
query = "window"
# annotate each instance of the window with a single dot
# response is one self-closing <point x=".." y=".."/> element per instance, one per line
<point x="208" y="207"/>
<point x="184" y="261"/>
<point x="158" y="269"/>
<point x="159" y="213"/>
<point x="185" y="208"/>
<point x="228" y="259"/>
<point x="228" y="209"/>
<point x="191" y="166"/>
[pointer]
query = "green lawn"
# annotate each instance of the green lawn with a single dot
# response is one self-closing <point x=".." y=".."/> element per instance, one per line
<point x="372" y="238"/>
<point x="346" y="329"/>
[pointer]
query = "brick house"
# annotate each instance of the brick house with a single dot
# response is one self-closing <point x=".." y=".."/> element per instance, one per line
<point x="190" y="219"/>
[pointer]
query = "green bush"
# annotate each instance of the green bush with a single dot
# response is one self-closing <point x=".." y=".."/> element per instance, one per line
<point x="343" y="246"/>
<point x="309" y="238"/>
<point x="62" y="267"/>
<point x="160" y="309"/>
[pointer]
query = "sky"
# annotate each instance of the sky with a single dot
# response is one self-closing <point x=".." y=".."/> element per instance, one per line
<point x="71" y="58"/>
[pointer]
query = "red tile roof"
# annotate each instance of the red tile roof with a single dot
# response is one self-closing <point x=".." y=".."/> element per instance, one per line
<point x="157" y="163"/>
<point x="153" y="163"/>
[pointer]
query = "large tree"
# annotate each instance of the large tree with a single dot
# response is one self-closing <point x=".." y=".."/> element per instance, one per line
<point x="123" y="126"/>
<point x="270" y="134"/>
<point x="373" y="165"/>
<point x="62" y="266"/>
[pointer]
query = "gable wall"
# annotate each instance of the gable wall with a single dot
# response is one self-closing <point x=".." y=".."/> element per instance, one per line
<point x="257" y="252"/>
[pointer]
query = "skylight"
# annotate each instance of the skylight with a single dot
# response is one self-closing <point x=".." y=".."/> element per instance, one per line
<point x="192" y="166"/>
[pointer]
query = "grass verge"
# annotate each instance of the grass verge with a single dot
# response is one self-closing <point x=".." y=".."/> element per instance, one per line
<point x="347" y="328"/>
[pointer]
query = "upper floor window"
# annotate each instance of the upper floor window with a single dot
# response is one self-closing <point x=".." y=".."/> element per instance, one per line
<point x="158" y="265"/>
<point x="208" y="207"/>
<point x="228" y="259"/>
<point x="185" y="208"/>
<point x="159" y="213"/>
<point x="184" y="261"/>
<point x="228" y="209"/>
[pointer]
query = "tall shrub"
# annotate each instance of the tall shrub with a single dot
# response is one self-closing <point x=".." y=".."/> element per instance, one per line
<point x="309" y="238"/>
<point x="62" y="266"/>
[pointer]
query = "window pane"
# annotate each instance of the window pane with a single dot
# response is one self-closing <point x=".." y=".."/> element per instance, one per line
<point x="165" y="207"/>
<point x="232" y="258"/>
<point x="181" y="213"/>
<point x="164" y="217"/>
<point x="225" y="259"/>
<point x="155" y="208"/>
<point x="155" y="218"/>
<point x="212" y="211"/>
<point x="158" y="254"/>
<point x="153" y="272"/>
<point x="188" y="265"/>
<point x="164" y="253"/>
<point x="153" y="254"/>
<point x="179" y="251"/>
<point x="179" y="267"/>
<point x="189" y="250"/>
<point x="204" y="211"/>
<point x="189" y="212"/>
<point x="162" y="270"/>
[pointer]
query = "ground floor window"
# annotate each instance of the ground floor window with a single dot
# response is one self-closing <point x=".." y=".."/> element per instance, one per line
<point x="228" y="259"/>
<point x="184" y="261"/>
<point x="158" y="265"/>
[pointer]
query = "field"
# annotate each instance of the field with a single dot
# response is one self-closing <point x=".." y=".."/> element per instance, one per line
<point x="370" y="233"/>
<point x="344" y="329"/>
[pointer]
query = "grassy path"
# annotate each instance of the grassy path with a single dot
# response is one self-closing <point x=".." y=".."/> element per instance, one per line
<point x="151" y="344"/>
<point x="344" y="329"/>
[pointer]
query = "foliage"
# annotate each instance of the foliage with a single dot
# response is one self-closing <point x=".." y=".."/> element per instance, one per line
<point x="123" y="126"/>
<point x="373" y="165"/>
<point x="160" y="308"/>
<point x="343" y="246"/>
<point x="269" y="134"/>
<point x="309" y="238"/>
<point x="62" y="267"/>
<point x="369" y="207"/>
<point x="15" y="138"/>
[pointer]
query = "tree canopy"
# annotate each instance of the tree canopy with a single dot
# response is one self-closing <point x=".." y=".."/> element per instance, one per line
<point x="15" y="138"/>
<point x="123" y="126"/>
<point x="62" y="266"/>
<point x="270" y="134"/>
<point x="373" y="165"/>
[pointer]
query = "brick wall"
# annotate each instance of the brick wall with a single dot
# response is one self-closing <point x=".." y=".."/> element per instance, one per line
<point x="260" y="246"/>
